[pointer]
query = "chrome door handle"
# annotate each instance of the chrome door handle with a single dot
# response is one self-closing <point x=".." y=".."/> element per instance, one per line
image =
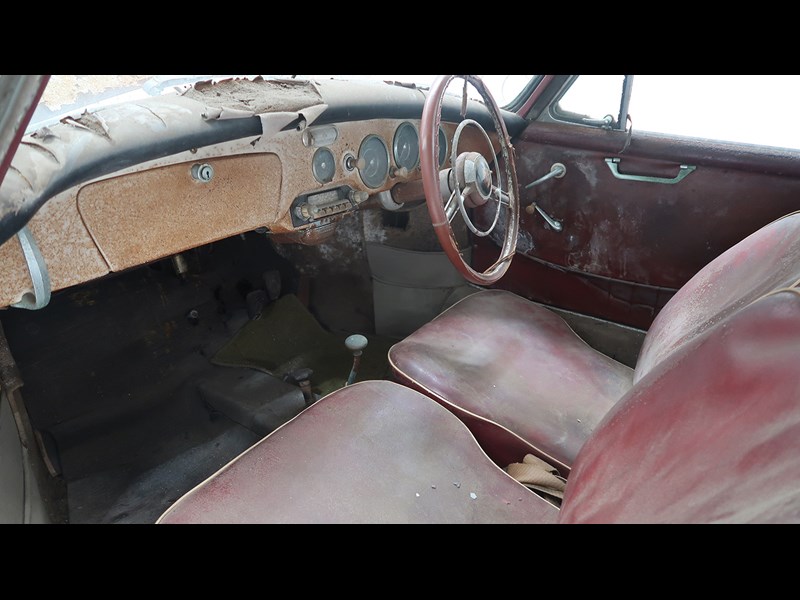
<point x="613" y="164"/>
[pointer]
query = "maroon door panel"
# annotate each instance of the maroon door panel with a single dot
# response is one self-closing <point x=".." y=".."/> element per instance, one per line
<point x="626" y="246"/>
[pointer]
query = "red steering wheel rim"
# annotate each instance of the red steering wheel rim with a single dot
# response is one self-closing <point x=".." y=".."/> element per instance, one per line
<point x="429" y="167"/>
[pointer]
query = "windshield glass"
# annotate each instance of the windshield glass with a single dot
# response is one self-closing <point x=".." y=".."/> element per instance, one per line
<point x="66" y="94"/>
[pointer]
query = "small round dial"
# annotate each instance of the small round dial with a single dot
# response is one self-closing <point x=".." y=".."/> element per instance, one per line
<point x="442" y="147"/>
<point x="323" y="165"/>
<point x="406" y="146"/>
<point x="373" y="161"/>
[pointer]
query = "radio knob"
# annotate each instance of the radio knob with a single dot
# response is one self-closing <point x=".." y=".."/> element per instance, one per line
<point x="358" y="197"/>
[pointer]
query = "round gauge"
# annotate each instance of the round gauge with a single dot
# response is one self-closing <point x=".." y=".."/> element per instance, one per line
<point x="323" y="165"/>
<point x="406" y="146"/>
<point x="442" y="147"/>
<point x="373" y="161"/>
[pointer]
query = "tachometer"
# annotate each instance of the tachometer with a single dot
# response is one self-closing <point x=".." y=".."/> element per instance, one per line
<point x="406" y="146"/>
<point x="373" y="161"/>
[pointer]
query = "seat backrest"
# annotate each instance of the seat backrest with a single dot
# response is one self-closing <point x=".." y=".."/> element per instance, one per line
<point x="767" y="260"/>
<point x="711" y="434"/>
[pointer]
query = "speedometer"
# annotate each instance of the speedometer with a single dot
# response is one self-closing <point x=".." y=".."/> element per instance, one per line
<point x="406" y="146"/>
<point x="373" y="161"/>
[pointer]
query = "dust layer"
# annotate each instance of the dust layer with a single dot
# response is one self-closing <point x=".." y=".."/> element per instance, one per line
<point x="257" y="95"/>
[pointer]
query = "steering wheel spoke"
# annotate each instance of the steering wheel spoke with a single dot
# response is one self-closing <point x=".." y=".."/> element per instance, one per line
<point x="451" y="207"/>
<point x="474" y="183"/>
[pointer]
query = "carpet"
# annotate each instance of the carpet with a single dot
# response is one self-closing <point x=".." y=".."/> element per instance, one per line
<point x="287" y="337"/>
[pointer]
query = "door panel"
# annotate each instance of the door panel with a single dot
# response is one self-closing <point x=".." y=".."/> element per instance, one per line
<point x="627" y="246"/>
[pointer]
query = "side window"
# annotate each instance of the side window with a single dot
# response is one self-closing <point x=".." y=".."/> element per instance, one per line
<point x="592" y="100"/>
<point x="752" y="109"/>
<point x="749" y="109"/>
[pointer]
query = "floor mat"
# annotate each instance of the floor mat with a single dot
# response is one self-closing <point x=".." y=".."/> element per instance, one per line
<point x="141" y="496"/>
<point x="287" y="337"/>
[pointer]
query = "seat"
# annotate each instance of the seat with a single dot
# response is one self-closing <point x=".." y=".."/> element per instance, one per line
<point x="710" y="434"/>
<point x="523" y="381"/>
<point x="372" y="452"/>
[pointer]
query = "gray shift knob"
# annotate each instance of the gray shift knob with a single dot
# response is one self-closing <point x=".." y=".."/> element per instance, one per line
<point x="356" y="343"/>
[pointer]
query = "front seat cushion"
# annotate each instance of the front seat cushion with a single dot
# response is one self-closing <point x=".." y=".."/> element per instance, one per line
<point x="373" y="452"/>
<point x="496" y="358"/>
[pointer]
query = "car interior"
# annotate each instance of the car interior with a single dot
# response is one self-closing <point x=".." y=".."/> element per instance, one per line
<point x="325" y="300"/>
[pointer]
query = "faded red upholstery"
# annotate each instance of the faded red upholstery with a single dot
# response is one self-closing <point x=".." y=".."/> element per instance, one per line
<point x="373" y="452"/>
<point x="767" y="260"/>
<point x="711" y="434"/>
<point x="504" y="359"/>
<point x="521" y="379"/>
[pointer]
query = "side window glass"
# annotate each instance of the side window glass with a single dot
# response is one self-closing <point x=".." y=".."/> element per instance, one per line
<point x="591" y="100"/>
<point x="750" y="109"/>
<point x="747" y="109"/>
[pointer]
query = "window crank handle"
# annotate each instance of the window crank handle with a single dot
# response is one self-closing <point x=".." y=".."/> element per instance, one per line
<point x="557" y="171"/>
<point x="533" y="207"/>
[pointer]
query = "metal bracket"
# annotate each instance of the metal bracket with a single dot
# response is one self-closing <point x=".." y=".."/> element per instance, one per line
<point x="606" y="122"/>
<point x="613" y="164"/>
<point x="38" y="271"/>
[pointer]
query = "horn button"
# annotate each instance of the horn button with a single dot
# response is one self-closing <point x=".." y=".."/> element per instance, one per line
<point x="475" y="178"/>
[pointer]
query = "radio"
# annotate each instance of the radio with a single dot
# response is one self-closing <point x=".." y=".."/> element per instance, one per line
<point x="319" y="205"/>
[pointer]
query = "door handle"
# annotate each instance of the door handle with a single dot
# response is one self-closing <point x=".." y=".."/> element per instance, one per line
<point x="613" y="164"/>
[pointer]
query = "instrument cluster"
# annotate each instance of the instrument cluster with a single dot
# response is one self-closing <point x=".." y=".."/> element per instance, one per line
<point x="376" y="160"/>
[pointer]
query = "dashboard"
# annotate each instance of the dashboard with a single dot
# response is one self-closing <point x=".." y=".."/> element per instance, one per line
<point x="294" y="185"/>
<point x="353" y="162"/>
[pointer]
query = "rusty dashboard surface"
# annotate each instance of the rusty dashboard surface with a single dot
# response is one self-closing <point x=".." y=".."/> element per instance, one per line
<point x="167" y="210"/>
<point x="155" y="208"/>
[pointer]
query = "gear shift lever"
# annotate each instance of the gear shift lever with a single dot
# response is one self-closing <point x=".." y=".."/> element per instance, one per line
<point x="356" y="344"/>
<point x="302" y="377"/>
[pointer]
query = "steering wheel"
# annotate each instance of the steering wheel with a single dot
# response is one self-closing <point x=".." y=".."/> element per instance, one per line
<point x="470" y="182"/>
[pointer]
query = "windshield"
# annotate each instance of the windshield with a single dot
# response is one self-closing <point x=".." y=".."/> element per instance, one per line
<point x="66" y="94"/>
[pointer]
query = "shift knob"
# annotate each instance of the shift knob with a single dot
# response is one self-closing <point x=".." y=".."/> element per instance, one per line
<point x="356" y="344"/>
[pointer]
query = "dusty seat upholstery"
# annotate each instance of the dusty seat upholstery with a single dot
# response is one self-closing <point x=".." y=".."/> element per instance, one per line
<point x="497" y="357"/>
<point x="765" y="261"/>
<point x="711" y="434"/>
<point x="521" y="379"/>
<point x="373" y="452"/>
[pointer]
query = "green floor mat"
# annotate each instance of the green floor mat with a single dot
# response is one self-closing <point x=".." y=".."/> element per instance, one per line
<point x="288" y="337"/>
